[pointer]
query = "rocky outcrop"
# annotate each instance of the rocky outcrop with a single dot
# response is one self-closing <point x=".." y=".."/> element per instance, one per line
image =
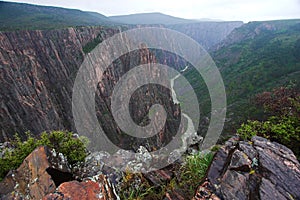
<point x="45" y="174"/>
<point x="259" y="169"/>
<point x="39" y="174"/>
<point x="204" y="192"/>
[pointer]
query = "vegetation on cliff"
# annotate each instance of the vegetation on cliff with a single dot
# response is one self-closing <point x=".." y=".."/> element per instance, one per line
<point x="255" y="57"/>
<point x="72" y="147"/>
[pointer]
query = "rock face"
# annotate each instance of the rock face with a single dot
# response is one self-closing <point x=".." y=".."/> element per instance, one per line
<point x="204" y="192"/>
<point x="248" y="31"/>
<point x="259" y="169"/>
<point x="39" y="174"/>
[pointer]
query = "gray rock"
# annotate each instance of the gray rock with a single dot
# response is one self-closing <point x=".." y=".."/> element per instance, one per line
<point x="259" y="169"/>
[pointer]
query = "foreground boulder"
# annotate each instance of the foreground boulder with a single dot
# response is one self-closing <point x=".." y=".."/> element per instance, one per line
<point x="39" y="174"/>
<point x="99" y="188"/>
<point x="259" y="169"/>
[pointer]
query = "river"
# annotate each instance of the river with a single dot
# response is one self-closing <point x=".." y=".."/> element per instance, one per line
<point x="190" y="135"/>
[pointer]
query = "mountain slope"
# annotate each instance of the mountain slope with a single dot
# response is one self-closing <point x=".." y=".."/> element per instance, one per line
<point x="208" y="34"/>
<point x="16" y="16"/>
<point x="257" y="57"/>
<point x="149" y="18"/>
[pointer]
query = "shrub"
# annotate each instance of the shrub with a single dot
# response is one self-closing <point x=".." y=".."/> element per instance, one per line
<point x="250" y="129"/>
<point x="284" y="130"/>
<point x="283" y="126"/>
<point x="73" y="148"/>
<point x="281" y="101"/>
<point x="64" y="142"/>
<point x="215" y="148"/>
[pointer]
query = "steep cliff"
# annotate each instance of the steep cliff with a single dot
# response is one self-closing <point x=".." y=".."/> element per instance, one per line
<point x="38" y="69"/>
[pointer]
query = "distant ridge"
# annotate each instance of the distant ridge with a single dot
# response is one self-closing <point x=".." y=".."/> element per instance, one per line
<point x="23" y="16"/>
<point x="20" y="16"/>
<point x="150" y="18"/>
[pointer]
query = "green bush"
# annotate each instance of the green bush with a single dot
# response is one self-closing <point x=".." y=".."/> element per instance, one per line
<point x="64" y="142"/>
<point x="284" y="130"/>
<point x="250" y="129"/>
<point x="12" y="158"/>
<point x="215" y="148"/>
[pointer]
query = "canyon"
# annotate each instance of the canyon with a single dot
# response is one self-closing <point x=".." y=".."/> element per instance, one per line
<point x="41" y="57"/>
<point x="38" y="69"/>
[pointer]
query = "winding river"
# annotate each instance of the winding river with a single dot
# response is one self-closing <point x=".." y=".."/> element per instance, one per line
<point x="190" y="132"/>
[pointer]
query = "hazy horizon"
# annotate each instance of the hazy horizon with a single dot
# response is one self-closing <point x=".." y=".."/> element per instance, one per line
<point x="227" y="10"/>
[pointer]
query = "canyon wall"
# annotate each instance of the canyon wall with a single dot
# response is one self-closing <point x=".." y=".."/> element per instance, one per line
<point x="37" y="72"/>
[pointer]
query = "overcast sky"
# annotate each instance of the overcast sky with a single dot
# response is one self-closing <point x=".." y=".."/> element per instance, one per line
<point x="245" y="10"/>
